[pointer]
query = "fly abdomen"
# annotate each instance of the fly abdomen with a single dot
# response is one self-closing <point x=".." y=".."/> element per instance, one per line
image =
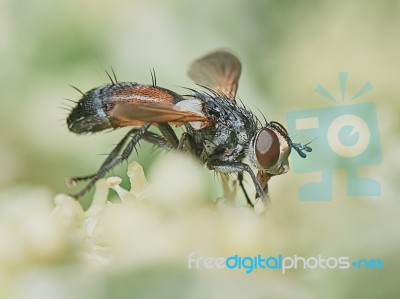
<point x="93" y="112"/>
<point x="90" y="115"/>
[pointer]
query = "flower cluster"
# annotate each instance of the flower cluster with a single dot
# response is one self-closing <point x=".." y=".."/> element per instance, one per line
<point x="45" y="242"/>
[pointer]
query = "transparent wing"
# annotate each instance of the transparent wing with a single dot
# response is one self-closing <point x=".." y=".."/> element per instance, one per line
<point x="219" y="70"/>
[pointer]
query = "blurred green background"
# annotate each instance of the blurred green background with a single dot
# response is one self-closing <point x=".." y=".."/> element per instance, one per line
<point x="286" y="48"/>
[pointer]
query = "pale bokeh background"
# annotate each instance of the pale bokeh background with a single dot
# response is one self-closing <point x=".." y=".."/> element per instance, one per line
<point x="286" y="48"/>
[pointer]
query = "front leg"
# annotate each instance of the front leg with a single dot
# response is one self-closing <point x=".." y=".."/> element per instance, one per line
<point x="229" y="167"/>
<point x="240" y="179"/>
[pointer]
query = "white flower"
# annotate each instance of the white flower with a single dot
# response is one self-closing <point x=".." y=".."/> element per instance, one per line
<point x="29" y="234"/>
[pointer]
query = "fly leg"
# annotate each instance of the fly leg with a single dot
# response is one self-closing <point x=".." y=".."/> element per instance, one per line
<point x="72" y="181"/>
<point x="230" y="167"/>
<point x="112" y="160"/>
<point x="183" y="140"/>
<point x="240" y="179"/>
<point x="169" y="134"/>
<point x="156" y="140"/>
<point x="188" y="142"/>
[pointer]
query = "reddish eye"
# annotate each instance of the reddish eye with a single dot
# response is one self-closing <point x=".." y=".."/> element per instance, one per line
<point x="267" y="148"/>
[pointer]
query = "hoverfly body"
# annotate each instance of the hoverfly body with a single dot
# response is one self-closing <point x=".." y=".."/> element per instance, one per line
<point x="218" y="130"/>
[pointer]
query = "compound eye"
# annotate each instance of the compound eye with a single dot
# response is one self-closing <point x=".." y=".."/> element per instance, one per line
<point x="267" y="148"/>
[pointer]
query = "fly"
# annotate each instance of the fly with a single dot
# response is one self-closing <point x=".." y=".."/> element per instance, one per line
<point x="221" y="132"/>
